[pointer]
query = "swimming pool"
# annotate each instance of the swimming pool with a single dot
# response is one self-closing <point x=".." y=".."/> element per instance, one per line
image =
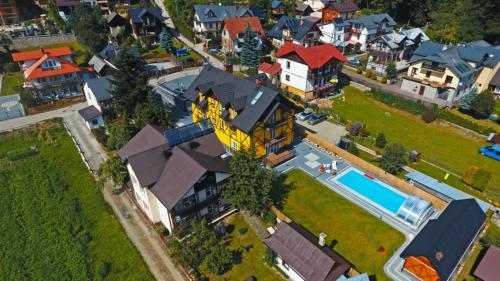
<point x="373" y="190"/>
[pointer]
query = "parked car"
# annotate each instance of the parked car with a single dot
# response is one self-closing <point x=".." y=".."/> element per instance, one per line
<point x="492" y="151"/>
<point x="316" y="118"/>
<point x="304" y="115"/>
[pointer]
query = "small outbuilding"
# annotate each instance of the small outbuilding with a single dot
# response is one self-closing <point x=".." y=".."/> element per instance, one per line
<point x="488" y="268"/>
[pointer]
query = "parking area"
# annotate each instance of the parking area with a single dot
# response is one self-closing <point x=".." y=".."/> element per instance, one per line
<point x="11" y="107"/>
<point x="326" y="130"/>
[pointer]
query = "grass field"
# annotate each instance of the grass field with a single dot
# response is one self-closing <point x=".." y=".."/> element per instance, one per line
<point x="10" y="81"/>
<point x="251" y="250"/>
<point x="354" y="233"/>
<point x="79" y="51"/>
<point x="54" y="222"/>
<point x="439" y="143"/>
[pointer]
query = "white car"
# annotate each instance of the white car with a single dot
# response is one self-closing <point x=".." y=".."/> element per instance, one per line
<point x="304" y="115"/>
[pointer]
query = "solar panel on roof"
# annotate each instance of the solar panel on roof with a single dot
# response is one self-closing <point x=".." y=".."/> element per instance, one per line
<point x="189" y="132"/>
<point x="256" y="98"/>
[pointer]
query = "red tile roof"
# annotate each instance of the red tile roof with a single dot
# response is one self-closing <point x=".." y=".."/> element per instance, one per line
<point x="36" y="54"/>
<point x="35" y="71"/>
<point x="270" y="68"/>
<point x="315" y="56"/>
<point x="238" y="25"/>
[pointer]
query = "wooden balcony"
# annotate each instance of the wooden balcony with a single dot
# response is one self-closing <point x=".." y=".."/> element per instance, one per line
<point x="433" y="67"/>
<point x="428" y="82"/>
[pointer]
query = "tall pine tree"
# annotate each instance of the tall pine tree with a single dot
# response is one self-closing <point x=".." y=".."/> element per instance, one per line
<point x="166" y="41"/>
<point x="249" y="50"/>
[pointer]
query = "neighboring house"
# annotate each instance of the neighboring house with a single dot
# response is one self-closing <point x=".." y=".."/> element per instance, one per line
<point x="438" y="250"/>
<point x="146" y="22"/>
<point x="208" y="19"/>
<point x="243" y="113"/>
<point x="50" y="72"/>
<point x="302" y="9"/>
<point x="272" y="72"/>
<point x="257" y="12"/>
<point x="11" y="12"/>
<point x="303" y="257"/>
<point x="98" y="96"/>
<point x="67" y="3"/>
<point x="98" y="92"/>
<point x="366" y="28"/>
<point x="450" y="72"/>
<point x="303" y="32"/>
<point x="339" y="10"/>
<point x="277" y="8"/>
<point x="103" y="4"/>
<point x="233" y="33"/>
<point x="176" y="175"/>
<point x="336" y="32"/>
<point x="102" y="62"/>
<point x="116" y="23"/>
<point x="308" y="72"/>
<point x="488" y="268"/>
<point x="316" y="5"/>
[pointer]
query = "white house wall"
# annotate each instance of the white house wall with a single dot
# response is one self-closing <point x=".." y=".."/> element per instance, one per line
<point x="141" y="194"/>
<point x="164" y="215"/>
<point x="298" y="75"/>
<point x="292" y="274"/>
<point x="90" y="97"/>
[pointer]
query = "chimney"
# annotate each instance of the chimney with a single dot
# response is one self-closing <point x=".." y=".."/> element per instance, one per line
<point x="228" y="68"/>
<point x="301" y="22"/>
<point x="261" y="80"/>
<point x="439" y="256"/>
<point x="322" y="238"/>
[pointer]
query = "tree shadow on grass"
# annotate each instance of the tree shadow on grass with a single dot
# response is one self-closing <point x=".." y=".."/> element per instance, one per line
<point x="237" y="256"/>
<point x="280" y="190"/>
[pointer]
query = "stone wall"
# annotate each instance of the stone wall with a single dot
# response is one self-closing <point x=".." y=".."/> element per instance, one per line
<point x="37" y="41"/>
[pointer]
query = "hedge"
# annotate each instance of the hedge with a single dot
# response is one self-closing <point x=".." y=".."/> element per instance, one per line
<point x="468" y="124"/>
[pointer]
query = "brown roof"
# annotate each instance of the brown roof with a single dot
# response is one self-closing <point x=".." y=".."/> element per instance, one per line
<point x="300" y="249"/>
<point x="239" y="25"/>
<point x="170" y="171"/>
<point x="488" y="268"/>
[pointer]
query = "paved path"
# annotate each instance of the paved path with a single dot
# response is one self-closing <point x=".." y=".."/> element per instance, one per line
<point x="392" y="89"/>
<point x="31" y="119"/>
<point x="145" y="239"/>
<point x="254" y="222"/>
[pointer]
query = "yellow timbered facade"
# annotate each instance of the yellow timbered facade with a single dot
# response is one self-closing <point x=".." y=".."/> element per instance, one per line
<point x="243" y="114"/>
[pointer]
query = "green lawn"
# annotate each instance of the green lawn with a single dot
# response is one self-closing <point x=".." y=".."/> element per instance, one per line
<point x="54" y="222"/>
<point x="10" y="81"/>
<point x="78" y="50"/>
<point x="252" y="254"/>
<point x="354" y="233"/>
<point x="439" y="143"/>
<point x="157" y="52"/>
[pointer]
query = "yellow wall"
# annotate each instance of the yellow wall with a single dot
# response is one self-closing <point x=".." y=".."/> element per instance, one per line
<point x="485" y="76"/>
<point x="235" y="138"/>
<point x="435" y="76"/>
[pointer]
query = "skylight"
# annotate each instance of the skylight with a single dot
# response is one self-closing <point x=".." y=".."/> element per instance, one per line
<point x="256" y="98"/>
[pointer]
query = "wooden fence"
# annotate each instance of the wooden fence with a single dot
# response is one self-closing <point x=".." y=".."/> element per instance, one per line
<point x="376" y="171"/>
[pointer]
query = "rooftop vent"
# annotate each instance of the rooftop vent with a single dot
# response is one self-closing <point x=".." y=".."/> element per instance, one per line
<point x="322" y="238"/>
<point x="439" y="256"/>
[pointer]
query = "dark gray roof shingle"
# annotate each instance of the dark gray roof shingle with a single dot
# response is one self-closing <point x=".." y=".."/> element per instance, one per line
<point x="299" y="28"/>
<point x="100" y="87"/>
<point x="89" y="113"/>
<point x="136" y="14"/>
<point x="250" y="100"/>
<point x="448" y="237"/>
<point x="372" y="21"/>
<point x="212" y="12"/>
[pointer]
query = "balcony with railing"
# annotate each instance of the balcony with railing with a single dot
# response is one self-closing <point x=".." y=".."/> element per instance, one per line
<point x="434" y="67"/>
<point x="428" y="82"/>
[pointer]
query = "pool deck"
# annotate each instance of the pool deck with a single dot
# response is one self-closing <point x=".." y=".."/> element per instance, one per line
<point x="309" y="158"/>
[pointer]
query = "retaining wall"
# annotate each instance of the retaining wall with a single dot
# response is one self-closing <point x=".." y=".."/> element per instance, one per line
<point x="37" y="41"/>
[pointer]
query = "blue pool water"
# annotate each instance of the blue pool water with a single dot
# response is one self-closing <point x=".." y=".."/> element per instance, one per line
<point x="372" y="190"/>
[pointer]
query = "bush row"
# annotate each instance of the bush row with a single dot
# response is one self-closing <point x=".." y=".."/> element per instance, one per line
<point x="419" y="108"/>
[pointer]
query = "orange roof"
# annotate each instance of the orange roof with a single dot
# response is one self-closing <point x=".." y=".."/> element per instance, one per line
<point x="238" y="25"/>
<point x="36" y="54"/>
<point x="35" y="71"/>
<point x="270" y="68"/>
<point x="314" y="57"/>
<point x="421" y="267"/>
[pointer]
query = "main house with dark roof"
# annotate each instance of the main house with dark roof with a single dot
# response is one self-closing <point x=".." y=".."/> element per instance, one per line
<point x="308" y="72"/>
<point x="303" y="257"/>
<point x="243" y="113"/>
<point x="439" y="249"/>
<point x="208" y="19"/>
<point x="445" y="72"/>
<point x="303" y="32"/>
<point x="50" y="72"/>
<point x="176" y="175"/>
<point x="146" y="22"/>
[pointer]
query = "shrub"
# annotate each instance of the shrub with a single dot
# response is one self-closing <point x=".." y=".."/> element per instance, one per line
<point x="468" y="124"/>
<point x="100" y="135"/>
<point x="242" y="230"/>
<point x="393" y="158"/>
<point x="429" y="116"/>
<point x="313" y="106"/>
<point x="373" y="76"/>
<point x="359" y="69"/>
<point x="269" y="257"/>
<point x="468" y="176"/>
<point x="11" y="67"/>
<point x="492" y="236"/>
<point x="353" y="149"/>
<point x="483" y="104"/>
<point x="481" y="179"/>
<point x="391" y="70"/>
<point x="218" y="260"/>
<point x="103" y="269"/>
<point x="269" y="217"/>
<point x="363" y="131"/>
<point x="162" y="230"/>
<point x="399" y="102"/>
<point x="368" y="73"/>
<point x="380" y="141"/>
<point x="383" y="80"/>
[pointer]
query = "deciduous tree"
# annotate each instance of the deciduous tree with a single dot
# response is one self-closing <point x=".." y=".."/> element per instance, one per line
<point x="89" y="26"/>
<point x="393" y="158"/>
<point x="219" y="260"/>
<point x="483" y="104"/>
